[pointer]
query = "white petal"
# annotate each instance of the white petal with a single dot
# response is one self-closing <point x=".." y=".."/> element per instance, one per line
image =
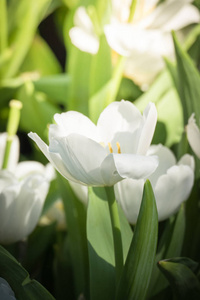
<point x="172" y="189"/>
<point x="193" y="135"/>
<point x="5" y="290"/>
<point x="118" y="117"/>
<point x="128" y="193"/>
<point x="82" y="20"/>
<point x="54" y="158"/>
<point x="109" y="171"/>
<point x="135" y="166"/>
<point x="166" y="160"/>
<point x="25" y="205"/>
<point x="73" y="122"/>
<point x="81" y="191"/>
<point x="83" y="40"/>
<point x="147" y="130"/>
<point x="82" y="158"/>
<point x="187" y="160"/>
<point x="165" y="14"/>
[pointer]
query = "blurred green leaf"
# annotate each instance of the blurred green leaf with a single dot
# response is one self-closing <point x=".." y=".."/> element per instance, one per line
<point x="184" y="283"/>
<point x="56" y="87"/>
<point x="26" y="16"/>
<point x="43" y="64"/>
<point x="164" y="95"/>
<point x="19" y="280"/>
<point x="76" y="223"/>
<point x="170" y="245"/>
<point x="100" y="245"/>
<point x="38" y="243"/>
<point x="188" y="82"/>
<point x="139" y="263"/>
<point x="37" y="111"/>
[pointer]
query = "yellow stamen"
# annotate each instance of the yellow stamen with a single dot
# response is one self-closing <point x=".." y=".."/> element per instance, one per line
<point x="118" y="147"/>
<point x="110" y="148"/>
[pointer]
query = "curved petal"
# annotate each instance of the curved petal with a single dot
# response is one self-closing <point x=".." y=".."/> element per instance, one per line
<point x="128" y="193"/>
<point x="167" y="16"/>
<point x="193" y="135"/>
<point x="166" y="160"/>
<point x="83" y="40"/>
<point x="6" y="292"/>
<point x="109" y="171"/>
<point x="118" y="117"/>
<point x="23" y="211"/>
<point x="54" y="158"/>
<point x="148" y="128"/>
<point x="135" y="166"/>
<point x="187" y="160"/>
<point x="81" y="191"/>
<point x="172" y="189"/>
<point x="82" y="158"/>
<point x="73" y="122"/>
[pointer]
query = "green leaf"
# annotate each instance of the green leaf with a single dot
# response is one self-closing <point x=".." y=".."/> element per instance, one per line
<point x="100" y="245"/>
<point x="19" y="280"/>
<point x="184" y="283"/>
<point x="35" y="107"/>
<point x="188" y="82"/>
<point x="76" y="224"/>
<point x="139" y="263"/>
<point x="164" y="95"/>
<point x="44" y="64"/>
<point x="55" y="87"/>
<point x="26" y="16"/>
<point x="170" y="245"/>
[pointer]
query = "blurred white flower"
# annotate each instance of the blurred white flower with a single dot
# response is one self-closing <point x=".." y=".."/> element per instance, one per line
<point x="144" y="41"/>
<point x="172" y="183"/>
<point x="82" y="34"/>
<point x="55" y="214"/>
<point x="193" y="135"/>
<point x="23" y="189"/>
<point x="104" y="154"/>
<point x="6" y="293"/>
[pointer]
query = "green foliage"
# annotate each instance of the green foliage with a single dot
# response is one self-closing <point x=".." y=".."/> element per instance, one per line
<point x="19" y="280"/>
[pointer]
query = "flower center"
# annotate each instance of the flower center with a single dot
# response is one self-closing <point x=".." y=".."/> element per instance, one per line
<point x="118" y="148"/>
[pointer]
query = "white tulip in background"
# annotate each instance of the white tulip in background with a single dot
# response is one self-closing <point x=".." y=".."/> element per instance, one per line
<point x="172" y="183"/>
<point x="6" y="293"/>
<point x="193" y="135"/>
<point x="23" y="189"/>
<point x="145" y="40"/>
<point x="102" y="154"/>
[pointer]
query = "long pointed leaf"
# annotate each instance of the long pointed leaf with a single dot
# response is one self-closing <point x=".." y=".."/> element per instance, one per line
<point x="139" y="264"/>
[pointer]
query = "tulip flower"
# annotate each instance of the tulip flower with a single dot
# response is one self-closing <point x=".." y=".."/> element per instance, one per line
<point x="102" y="154"/>
<point x="23" y="189"/>
<point x="193" y="135"/>
<point x="172" y="183"/>
<point x="143" y="40"/>
<point x="6" y="293"/>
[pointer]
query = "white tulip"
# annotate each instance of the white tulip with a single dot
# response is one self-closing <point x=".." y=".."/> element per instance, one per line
<point x="148" y="38"/>
<point x="193" y="135"/>
<point x="171" y="182"/>
<point x="104" y="154"/>
<point x="144" y="41"/>
<point x="6" y="293"/>
<point x="23" y="189"/>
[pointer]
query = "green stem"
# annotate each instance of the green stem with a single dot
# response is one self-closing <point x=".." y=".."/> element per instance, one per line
<point x="3" y="26"/>
<point x="12" y="126"/>
<point x="132" y="10"/>
<point x="116" y="80"/>
<point x="114" y="215"/>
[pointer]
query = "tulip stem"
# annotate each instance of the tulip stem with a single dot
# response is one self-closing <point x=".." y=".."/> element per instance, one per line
<point x="12" y="126"/>
<point x="114" y="215"/>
